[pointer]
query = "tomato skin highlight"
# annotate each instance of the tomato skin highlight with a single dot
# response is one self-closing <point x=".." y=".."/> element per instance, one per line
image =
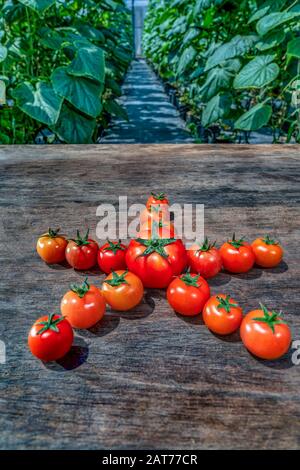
<point x="237" y="260"/>
<point x="188" y="300"/>
<point x="154" y="270"/>
<point x="124" y="296"/>
<point x="52" y="248"/>
<point x="207" y="263"/>
<point x="217" y="319"/>
<point x="266" y="255"/>
<point x="109" y="260"/>
<point x="259" y="339"/>
<point x="50" y="345"/>
<point x="83" y="312"/>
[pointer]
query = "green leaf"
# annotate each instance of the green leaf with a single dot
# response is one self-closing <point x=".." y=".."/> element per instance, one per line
<point x="73" y="127"/>
<point x="218" y="107"/>
<point x="88" y="62"/>
<point x="3" y="53"/>
<point x="293" y="48"/>
<point x="190" y="35"/>
<point x="112" y="107"/>
<point x="219" y="78"/>
<point x="258" y="14"/>
<point x="257" y="73"/>
<point x="186" y="59"/>
<point x="51" y="38"/>
<point x="255" y="118"/>
<point x="79" y="91"/>
<point x="273" y="20"/>
<point x="238" y="46"/>
<point x="39" y="6"/>
<point x="270" y="40"/>
<point x="2" y="92"/>
<point x="42" y="103"/>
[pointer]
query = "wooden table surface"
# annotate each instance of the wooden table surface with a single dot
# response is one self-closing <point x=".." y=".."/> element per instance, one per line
<point x="148" y="379"/>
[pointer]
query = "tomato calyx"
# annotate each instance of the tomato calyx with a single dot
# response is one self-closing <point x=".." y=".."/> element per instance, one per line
<point x="117" y="279"/>
<point x="81" y="289"/>
<point x="51" y="233"/>
<point x="158" y="196"/>
<point x="79" y="240"/>
<point x="50" y="323"/>
<point x="156" y="245"/>
<point x="269" y="241"/>
<point x="114" y="246"/>
<point x="190" y="280"/>
<point x="225" y="303"/>
<point x="236" y="243"/>
<point x="271" y="318"/>
<point x="206" y="246"/>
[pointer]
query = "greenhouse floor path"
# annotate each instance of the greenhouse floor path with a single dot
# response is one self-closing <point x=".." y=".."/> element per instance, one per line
<point x="152" y="118"/>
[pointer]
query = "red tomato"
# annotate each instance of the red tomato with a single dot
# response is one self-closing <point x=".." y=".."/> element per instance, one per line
<point x="268" y="253"/>
<point x="157" y="199"/>
<point x="111" y="256"/>
<point x="51" y="247"/>
<point x="205" y="259"/>
<point x="222" y="315"/>
<point x="265" y="334"/>
<point x="83" y="306"/>
<point x="157" y="212"/>
<point x="122" y="290"/>
<point x="156" y="261"/>
<point x="237" y="256"/>
<point x="81" y="253"/>
<point x="188" y="293"/>
<point x="50" y="337"/>
<point x="152" y="229"/>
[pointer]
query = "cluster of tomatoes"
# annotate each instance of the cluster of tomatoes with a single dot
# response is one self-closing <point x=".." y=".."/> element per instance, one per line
<point x="157" y="259"/>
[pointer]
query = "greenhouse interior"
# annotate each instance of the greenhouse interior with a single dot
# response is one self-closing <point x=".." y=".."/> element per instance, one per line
<point x="173" y="71"/>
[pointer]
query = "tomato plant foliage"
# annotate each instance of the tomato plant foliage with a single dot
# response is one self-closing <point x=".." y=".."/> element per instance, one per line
<point x="235" y="64"/>
<point x="61" y="65"/>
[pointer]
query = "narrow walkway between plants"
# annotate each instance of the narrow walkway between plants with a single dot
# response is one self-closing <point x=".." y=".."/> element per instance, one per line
<point x="152" y="118"/>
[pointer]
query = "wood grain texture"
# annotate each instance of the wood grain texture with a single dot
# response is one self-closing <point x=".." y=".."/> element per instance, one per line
<point x="150" y="379"/>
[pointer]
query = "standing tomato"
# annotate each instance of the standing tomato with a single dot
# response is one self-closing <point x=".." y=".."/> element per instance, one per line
<point x="188" y="293"/>
<point x="155" y="229"/>
<point x="158" y="213"/>
<point x="156" y="261"/>
<point x="111" y="256"/>
<point x="83" y="306"/>
<point x="205" y="259"/>
<point x="222" y="315"/>
<point x="268" y="253"/>
<point x="51" y="247"/>
<point x="265" y="334"/>
<point x="237" y="256"/>
<point x="157" y="199"/>
<point x="50" y="337"/>
<point x="122" y="290"/>
<point x="81" y="253"/>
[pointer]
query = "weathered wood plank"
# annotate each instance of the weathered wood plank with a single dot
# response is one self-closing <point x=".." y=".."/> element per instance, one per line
<point x="151" y="379"/>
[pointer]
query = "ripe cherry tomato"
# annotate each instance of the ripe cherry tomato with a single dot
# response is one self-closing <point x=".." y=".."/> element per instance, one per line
<point x="205" y="259"/>
<point x="268" y="253"/>
<point x="81" y="253"/>
<point x="154" y="229"/>
<point x="222" y="315"/>
<point x="122" y="290"/>
<point x="51" y="247"/>
<point x="265" y="334"/>
<point x="83" y="306"/>
<point x="156" y="261"/>
<point x="50" y="337"/>
<point x="157" y="199"/>
<point x="111" y="256"/>
<point x="237" y="256"/>
<point x="188" y="293"/>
